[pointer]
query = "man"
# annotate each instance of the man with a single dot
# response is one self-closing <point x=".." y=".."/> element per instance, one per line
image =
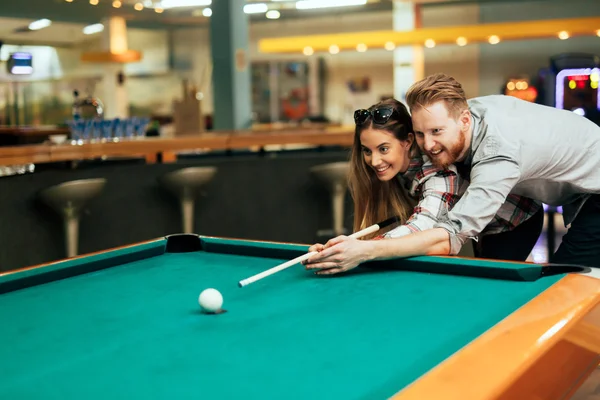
<point x="508" y="146"/>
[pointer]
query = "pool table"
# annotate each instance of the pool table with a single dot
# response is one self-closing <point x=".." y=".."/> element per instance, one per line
<point x="126" y="323"/>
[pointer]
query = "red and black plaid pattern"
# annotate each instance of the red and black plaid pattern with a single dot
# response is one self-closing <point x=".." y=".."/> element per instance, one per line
<point x="438" y="190"/>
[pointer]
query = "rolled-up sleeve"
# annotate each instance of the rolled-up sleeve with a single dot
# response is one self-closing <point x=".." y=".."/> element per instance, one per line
<point x="492" y="179"/>
<point x="439" y="192"/>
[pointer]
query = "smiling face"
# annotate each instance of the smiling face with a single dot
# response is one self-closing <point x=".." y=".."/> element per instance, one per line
<point x="384" y="153"/>
<point x="442" y="138"/>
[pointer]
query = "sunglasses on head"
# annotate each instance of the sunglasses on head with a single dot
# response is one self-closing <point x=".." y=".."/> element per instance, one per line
<point x="380" y="115"/>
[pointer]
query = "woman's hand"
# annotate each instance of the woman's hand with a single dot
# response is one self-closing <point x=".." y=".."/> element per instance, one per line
<point x="340" y="254"/>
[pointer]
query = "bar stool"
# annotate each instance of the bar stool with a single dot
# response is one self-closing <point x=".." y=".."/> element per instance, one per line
<point x="185" y="184"/>
<point x="335" y="177"/>
<point x="68" y="199"/>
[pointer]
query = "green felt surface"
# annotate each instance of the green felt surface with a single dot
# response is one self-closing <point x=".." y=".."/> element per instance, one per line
<point x="99" y="260"/>
<point x="135" y="330"/>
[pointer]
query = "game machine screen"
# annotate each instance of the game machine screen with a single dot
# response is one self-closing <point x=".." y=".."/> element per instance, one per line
<point x="577" y="91"/>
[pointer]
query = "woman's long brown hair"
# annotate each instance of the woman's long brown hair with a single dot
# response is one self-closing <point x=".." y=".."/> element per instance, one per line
<point x="374" y="200"/>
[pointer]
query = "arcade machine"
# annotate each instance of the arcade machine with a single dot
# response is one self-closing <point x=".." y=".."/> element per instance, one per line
<point x="570" y="83"/>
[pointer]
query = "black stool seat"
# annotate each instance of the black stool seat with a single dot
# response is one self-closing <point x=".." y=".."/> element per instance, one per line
<point x="68" y="199"/>
<point x="185" y="184"/>
<point x="335" y="177"/>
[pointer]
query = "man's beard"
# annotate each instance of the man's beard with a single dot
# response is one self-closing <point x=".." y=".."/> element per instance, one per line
<point x="450" y="155"/>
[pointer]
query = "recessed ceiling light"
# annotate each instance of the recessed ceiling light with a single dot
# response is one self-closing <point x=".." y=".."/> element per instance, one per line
<point x="255" y="8"/>
<point x="310" y="4"/>
<point x="273" y="14"/>
<point x="166" y="4"/>
<point x="430" y="43"/>
<point x="94" y="28"/>
<point x="40" y="24"/>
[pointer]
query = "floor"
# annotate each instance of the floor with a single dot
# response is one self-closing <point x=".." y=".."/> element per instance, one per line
<point x="590" y="390"/>
<point x="540" y="251"/>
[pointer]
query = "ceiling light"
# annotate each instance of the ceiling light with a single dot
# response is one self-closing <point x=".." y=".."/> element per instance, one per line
<point x="39" y="24"/>
<point x="165" y="4"/>
<point x="94" y="2"/>
<point x="361" y="47"/>
<point x="598" y="32"/>
<point x="158" y="10"/>
<point x="273" y="14"/>
<point x="207" y="12"/>
<point x="255" y="8"/>
<point x="308" y="51"/>
<point x="139" y="6"/>
<point x="310" y="4"/>
<point x="430" y="43"/>
<point x="334" y="49"/>
<point x="91" y="29"/>
<point x="461" y="41"/>
<point x="117" y="4"/>
<point x="563" y="35"/>
<point x="69" y="1"/>
<point x="389" y="46"/>
<point x="494" y="39"/>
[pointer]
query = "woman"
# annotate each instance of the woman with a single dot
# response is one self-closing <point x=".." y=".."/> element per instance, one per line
<point x="390" y="177"/>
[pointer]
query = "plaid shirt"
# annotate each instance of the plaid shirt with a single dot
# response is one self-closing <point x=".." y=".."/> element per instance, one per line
<point x="439" y="189"/>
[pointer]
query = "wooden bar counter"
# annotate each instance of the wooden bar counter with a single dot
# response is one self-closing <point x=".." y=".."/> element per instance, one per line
<point x="151" y="148"/>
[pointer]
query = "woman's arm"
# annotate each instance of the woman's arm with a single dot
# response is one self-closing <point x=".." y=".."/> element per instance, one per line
<point x="344" y="253"/>
<point x="438" y="191"/>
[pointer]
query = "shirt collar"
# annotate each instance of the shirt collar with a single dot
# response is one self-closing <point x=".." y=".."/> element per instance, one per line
<point x="475" y="124"/>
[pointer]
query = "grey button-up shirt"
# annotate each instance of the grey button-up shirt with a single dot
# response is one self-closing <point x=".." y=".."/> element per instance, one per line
<point x="527" y="149"/>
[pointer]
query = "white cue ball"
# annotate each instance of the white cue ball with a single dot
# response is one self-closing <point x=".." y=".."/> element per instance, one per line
<point x="210" y="300"/>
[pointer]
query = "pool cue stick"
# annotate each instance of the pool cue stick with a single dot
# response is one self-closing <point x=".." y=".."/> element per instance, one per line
<point x="371" y="229"/>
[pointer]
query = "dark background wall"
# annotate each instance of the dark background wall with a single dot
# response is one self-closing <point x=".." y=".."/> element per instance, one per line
<point x="252" y="196"/>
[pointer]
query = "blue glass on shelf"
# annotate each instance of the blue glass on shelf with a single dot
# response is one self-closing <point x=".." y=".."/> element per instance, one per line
<point x="80" y="130"/>
<point x="135" y="121"/>
<point x="75" y="131"/>
<point x="107" y="128"/>
<point x="97" y="131"/>
<point x="118" y="129"/>
<point x="129" y="128"/>
<point x="88" y="130"/>
<point x="141" y="126"/>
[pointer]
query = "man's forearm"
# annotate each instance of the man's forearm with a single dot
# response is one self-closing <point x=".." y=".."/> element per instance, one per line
<point x="429" y="242"/>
